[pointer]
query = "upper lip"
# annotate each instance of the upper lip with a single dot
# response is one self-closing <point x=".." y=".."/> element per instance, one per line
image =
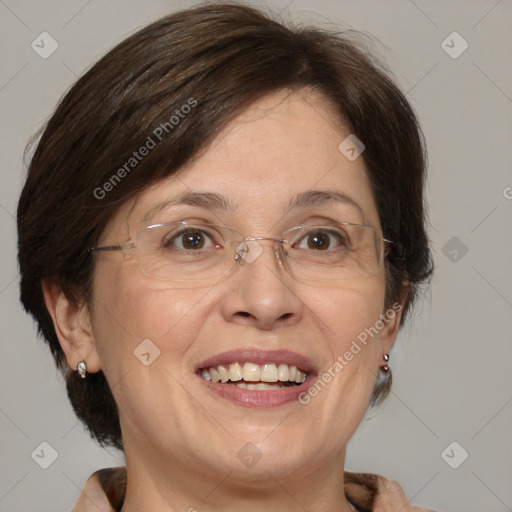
<point x="258" y="356"/>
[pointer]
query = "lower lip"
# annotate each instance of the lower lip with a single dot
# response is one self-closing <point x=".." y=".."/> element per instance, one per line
<point x="257" y="398"/>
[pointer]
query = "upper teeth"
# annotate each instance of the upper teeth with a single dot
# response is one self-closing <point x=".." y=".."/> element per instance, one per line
<point x="251" y="372"/>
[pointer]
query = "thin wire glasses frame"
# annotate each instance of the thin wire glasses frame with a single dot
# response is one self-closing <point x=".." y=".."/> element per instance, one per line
<point x="352" y="251"/>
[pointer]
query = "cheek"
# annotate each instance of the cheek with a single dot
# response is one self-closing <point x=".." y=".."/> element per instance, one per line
<point x="345" y="312"/>
<point x="130" y="309"/>
<point x="347" y="318"/>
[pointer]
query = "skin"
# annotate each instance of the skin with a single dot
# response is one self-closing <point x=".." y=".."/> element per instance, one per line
<point x="181" y="441"/>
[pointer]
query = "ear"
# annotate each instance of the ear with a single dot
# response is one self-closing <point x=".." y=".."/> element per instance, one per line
<point x="391" y="317"/>
<point x="72" y="323"/>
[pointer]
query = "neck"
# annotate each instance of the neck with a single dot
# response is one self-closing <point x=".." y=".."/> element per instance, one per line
<point x="172" y="486"/>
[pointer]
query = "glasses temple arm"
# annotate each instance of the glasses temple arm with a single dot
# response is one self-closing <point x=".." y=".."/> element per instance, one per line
<point x="119" y="247"/>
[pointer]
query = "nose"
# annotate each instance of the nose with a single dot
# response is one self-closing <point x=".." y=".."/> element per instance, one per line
<point x="260" y="292"/>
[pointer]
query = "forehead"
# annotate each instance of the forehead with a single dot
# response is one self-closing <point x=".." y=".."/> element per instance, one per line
<point x="273" y="154"/>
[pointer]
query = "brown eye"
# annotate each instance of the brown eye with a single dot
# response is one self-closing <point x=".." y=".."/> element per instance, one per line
<point x="319" y="241"/>
<point x="323" y="240"/>
<point x="191" y="239"/>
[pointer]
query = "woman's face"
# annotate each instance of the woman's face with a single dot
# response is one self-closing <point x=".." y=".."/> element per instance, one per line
<point x="154" y="339"/>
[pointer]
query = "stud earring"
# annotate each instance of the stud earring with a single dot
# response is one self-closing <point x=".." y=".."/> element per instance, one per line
<point x="385" y="368"/>
<point x="81" y="368"/>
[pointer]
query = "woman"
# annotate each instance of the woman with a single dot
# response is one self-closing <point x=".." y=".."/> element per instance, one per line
<point x="221" y="232"/>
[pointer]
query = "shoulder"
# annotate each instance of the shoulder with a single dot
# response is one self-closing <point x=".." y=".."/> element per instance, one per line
<point x="103" y="492"/>
<point x="105" y="489"/>
<point x="369" y="492"/>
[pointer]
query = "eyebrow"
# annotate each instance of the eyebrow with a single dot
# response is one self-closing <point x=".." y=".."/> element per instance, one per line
<point x="205" y="200"/>
<point x="216" y="202"/>
<point x="320" y="198"/>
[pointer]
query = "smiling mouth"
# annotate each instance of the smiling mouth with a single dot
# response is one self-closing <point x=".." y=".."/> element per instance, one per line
<point x="252" y="376"/>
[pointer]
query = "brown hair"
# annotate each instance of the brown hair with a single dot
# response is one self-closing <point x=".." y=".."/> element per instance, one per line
<point x="218" y="59"/>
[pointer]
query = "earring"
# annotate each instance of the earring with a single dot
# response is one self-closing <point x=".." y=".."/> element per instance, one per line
<point x="385" y="368"/>
<point x="81" y="368"/>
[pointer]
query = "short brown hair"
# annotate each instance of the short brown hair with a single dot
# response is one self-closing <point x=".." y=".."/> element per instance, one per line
<point x="222" y="57"/>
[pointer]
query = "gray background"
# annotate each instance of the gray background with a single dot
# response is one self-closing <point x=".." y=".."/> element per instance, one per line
<point x="451" y="365"/>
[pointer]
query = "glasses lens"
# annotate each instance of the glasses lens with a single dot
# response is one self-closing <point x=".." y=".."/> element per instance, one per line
<point x="194" y="252"/>
<point x="185" y="251"/>
<point x="335" y="252"/>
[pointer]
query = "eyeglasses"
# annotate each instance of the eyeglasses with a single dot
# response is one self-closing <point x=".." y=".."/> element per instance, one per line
<point x="189" y="252"/>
